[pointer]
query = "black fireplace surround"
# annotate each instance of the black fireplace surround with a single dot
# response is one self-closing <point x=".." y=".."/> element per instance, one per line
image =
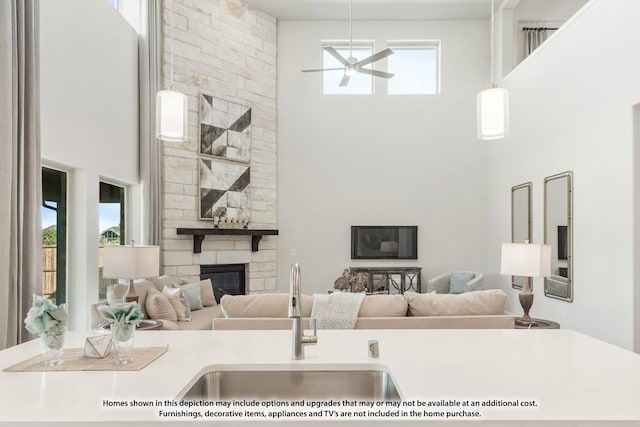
<point x="225" y="278"/>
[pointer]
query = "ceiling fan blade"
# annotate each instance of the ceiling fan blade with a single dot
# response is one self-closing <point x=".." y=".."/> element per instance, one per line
<point x="375" y="73"/>
<point x="336" y="55"/>
<point x="323" y="69"/>
<point x="345" y="80"/>
<point x="376" y="56"/>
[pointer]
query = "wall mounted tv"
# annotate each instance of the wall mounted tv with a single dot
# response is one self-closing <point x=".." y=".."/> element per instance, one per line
<point x="384" y="242"/>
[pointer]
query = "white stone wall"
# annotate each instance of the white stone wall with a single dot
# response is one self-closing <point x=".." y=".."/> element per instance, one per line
<point x="228" y="49"/>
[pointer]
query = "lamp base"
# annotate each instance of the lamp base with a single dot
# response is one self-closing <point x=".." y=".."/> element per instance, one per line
<point x="526" y="301"/>
<point x="131" y="295"/>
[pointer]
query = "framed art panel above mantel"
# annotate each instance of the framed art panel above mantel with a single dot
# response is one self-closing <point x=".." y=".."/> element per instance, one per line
<point x="224" y="129"/>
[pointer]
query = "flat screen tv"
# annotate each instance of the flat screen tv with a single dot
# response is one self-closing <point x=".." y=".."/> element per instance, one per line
<point x="384" y="242"/>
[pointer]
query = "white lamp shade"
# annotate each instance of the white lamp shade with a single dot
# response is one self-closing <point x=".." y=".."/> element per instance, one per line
<point x="526" y="259"/>
<point x="493" y="113"/>
<point x="171" y="115"/>
<point x="131" y="262"/>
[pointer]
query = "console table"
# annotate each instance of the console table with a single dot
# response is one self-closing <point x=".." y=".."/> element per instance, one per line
<point x="382" y="278"/>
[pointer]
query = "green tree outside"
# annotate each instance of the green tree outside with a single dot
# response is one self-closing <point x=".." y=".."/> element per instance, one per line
<point x="49" y="235"/>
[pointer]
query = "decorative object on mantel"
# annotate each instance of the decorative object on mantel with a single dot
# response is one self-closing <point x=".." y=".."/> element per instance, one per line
<point x="123" y="319"/>
<point x="97" y="347"/>
<point x="527" y="260"/>
<point x="49" y="321"/>
<point x="131" y="262"/>
<point x="222" y="222"/>
<point x="74" y="360"/>
<point x="171" y="106"/>
<point x="199" y="233"/>
<point x="493" y="104"/>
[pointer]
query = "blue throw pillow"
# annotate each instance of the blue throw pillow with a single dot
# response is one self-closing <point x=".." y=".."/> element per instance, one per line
<point x="458" y="281"/>
<point x="192" y="293"/>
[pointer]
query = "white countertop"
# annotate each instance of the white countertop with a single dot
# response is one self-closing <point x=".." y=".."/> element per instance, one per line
<point x="571" y="376"/>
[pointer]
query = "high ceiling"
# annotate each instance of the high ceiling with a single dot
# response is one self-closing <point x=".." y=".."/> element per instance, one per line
<point x="375" y="9"/>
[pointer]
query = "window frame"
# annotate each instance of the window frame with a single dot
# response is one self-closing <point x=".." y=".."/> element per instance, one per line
<point x="416" y="45"/>
<point x="62" y="228"/>
<point x="124" y="226"/>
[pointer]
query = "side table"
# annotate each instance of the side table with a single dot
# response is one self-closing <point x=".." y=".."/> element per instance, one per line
<point x="538" y="324"/>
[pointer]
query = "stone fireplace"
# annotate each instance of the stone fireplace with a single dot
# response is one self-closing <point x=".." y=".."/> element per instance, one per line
<point x="245" y="40"/>
<point x="227" y="279"/>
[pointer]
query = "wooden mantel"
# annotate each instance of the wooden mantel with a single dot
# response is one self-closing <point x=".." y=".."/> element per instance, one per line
<point x="199" y="233"/>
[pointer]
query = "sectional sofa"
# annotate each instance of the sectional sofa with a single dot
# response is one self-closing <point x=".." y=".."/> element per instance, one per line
<point x="483" y="309"/>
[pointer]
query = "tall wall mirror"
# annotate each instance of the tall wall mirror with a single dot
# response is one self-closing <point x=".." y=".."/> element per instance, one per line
<point x="520" y="220"/>
<point x="558" y="232"/>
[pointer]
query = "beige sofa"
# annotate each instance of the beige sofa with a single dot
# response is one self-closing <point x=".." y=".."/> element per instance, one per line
<point x="471" y="310"/>
<point x="153" y="308"/>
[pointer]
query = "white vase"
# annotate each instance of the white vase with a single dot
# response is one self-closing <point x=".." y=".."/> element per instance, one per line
<point x="122" y="337"/>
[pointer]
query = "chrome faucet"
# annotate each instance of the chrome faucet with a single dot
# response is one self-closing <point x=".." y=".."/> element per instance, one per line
<point x="295" y="313"/>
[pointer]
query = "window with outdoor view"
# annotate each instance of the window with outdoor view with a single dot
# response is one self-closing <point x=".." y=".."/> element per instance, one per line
<point x="112" y="226"/>
<point x="416" y="68"/>
<point x="54" y="235"/>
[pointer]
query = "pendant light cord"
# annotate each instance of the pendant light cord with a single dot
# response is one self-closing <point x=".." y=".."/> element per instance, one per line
<point x="351" y="28"/>
<point x="171" y="48"/>
<point x="491" y="47"/>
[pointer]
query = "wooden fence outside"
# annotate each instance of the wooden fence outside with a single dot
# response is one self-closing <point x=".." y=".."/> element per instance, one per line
<point x="49" y="269"/>
<point x="49" y="263"/>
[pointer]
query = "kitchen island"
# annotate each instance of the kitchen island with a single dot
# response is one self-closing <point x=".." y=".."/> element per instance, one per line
<point x="547" y="377"/>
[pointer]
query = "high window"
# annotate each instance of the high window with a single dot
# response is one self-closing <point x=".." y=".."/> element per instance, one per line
<point x="54" y="235"/>
<point x="416" y="67"/>
<point x="360" y="84"/>
<point x="112" y="226"/>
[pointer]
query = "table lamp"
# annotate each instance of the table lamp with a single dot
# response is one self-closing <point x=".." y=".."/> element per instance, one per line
<point x="131" y="262"/>
<point x="527" y="260"/>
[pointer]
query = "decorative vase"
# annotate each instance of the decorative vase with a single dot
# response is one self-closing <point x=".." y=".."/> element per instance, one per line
<point x="53" y="348"/>
<point x="122" y="336"/>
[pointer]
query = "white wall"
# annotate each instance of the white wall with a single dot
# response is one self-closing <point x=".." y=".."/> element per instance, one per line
<point x="380" y="160"/>
<point x="571" y="109"/>
<point x="89" y="113"/>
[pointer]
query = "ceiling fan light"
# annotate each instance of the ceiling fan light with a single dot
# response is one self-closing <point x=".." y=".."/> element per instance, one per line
<point x="493" y="113"/>
<point x="171" y="116"/>
<point x="351" y="71"/>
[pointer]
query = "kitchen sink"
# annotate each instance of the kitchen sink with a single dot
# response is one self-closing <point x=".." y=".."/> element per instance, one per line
<point x="221" y="383"/>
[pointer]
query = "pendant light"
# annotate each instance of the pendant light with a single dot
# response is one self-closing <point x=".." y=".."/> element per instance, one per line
<point x="493" y="105"/>
<point x="171" y="106"/>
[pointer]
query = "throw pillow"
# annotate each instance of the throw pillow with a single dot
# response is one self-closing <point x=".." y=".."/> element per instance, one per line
<point x="158" y="306"/>
<point x="206" y="292"/>
<point x="193" y="294"/>
<point x="487" y="302"/>
<point x="142" y="287"/>
<point x="161" y="281"/>
<point x="458" y="280"/>
<point x="383" y="306"/>
<point x="179" y="303"/>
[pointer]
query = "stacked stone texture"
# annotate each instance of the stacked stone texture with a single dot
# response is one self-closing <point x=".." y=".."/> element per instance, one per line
<point x="227" y="49"/>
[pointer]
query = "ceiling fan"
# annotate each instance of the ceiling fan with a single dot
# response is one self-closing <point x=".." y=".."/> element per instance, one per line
<point x="351" y="65"/>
